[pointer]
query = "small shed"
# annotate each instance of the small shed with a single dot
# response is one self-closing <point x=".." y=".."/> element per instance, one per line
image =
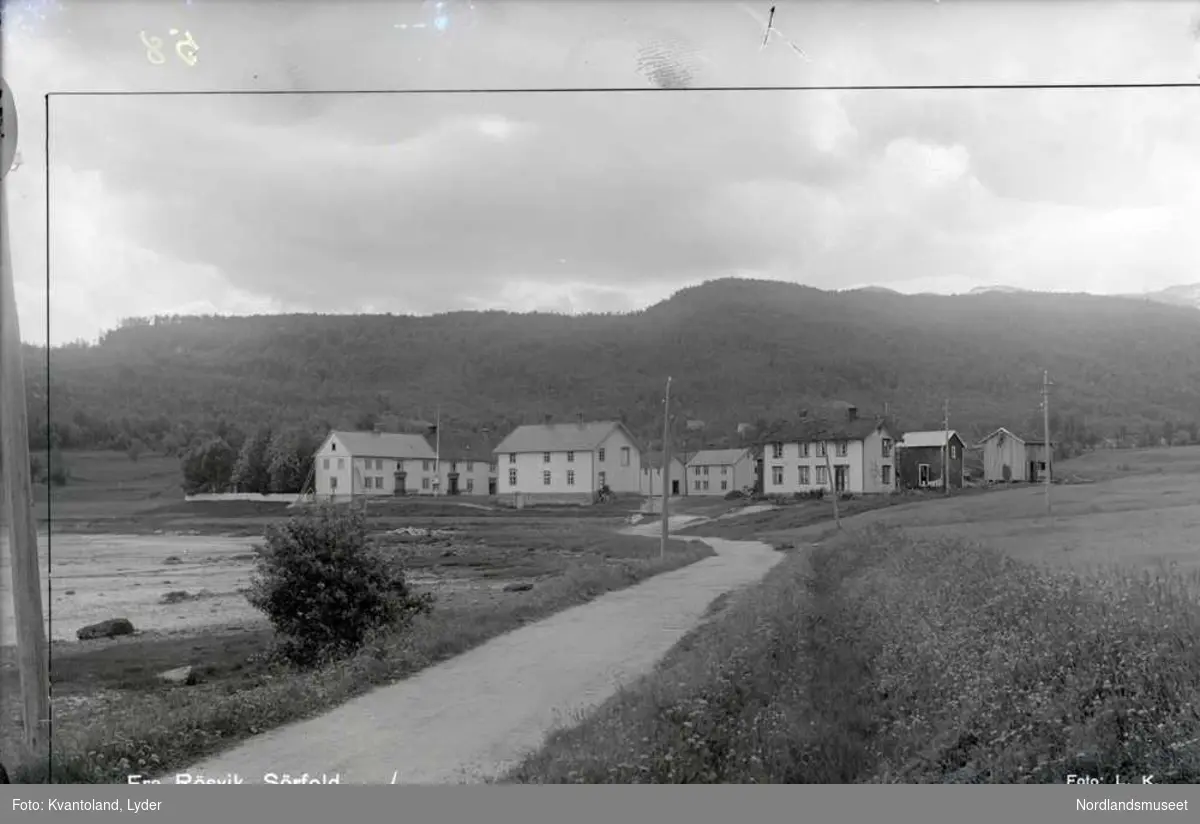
<point x="1009" y="457"/>
<point x="921" y="457"/>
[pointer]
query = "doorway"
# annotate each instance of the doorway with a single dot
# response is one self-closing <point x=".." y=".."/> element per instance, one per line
<point x="453" y="485"/>
<point x="674" y="487"/>
<point x="841" y="476"/>
<point x="923" y="474"/>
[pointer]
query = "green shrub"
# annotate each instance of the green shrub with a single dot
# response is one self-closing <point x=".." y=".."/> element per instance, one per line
<point x="326" y="587"/>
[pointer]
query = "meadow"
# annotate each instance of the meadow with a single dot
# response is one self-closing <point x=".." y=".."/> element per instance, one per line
<point x="179" y="571"/>
<point x="975" y="639"/>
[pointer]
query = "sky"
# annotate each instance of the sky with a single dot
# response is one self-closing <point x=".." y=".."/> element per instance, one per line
<point x="581" y="202"/>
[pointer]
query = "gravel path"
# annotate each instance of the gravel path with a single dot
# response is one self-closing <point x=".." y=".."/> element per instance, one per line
<point x="476" y="715"/>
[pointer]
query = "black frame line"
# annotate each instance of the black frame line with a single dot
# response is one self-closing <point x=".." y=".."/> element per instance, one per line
<point x="461" y="91"/>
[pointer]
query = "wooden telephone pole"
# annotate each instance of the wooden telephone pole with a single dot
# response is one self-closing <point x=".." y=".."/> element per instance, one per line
<point x="666" y="471"/>
<point x="1046" y="429"/>
<point x="946" y="446"/>
<point x="32" y="661"/>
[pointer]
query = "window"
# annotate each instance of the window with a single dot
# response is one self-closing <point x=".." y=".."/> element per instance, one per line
<point x="570" y="477"/>
<point x="546" y="478"/>
<point x="842" y="449"/>
<point x="822" y="475"/>
<point x="777" y="475"/>
<point x="341" y="463"/>
<point x="706" y="486"/>
<point x="953" y="452"/>
<point x="545" y="457"/>
<point x="695" y="485"/>
<point x="379" y="464"/>
<point x="333" y="484"/>
<point x="424" y="483"/>
<point x="821" y="449"/>
<point x="470" y="466"/>
<point x="493" y="467"/>
<point x="333" y="447"/>
<point x="776" y="451"/>
<point x="454" y="466"/>
<point x="425" y="465"/>
<point x="325" y="464"/>
<point x="600" y="455"/>
<point x="369" y="481"/>
<point x="724" y="470"/>
<point x="470" y="485"/>
<point x="624" y="456"/>
<point x="804" y="450"/>
<point x="805" y="476"/>
<point x="724" y="485"/>
<point x="887" y="476"/>
<point x="695" y="470"/>
<point x="512" y="477"/>
<point x="570" y="457"/>
<point x="512" y="458"/>
<point x="887" y="447"/>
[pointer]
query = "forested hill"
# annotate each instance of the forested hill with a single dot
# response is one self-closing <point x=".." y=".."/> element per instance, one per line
<point x="737" y="350"/>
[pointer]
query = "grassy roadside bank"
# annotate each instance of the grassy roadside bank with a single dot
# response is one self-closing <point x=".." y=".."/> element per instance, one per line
<point x="133" y="723"/>
<point x="876" y="658"/>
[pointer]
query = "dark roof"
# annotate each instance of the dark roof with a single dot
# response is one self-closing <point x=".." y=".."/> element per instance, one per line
<point x="817" y="429"/>
<point x="654" y="459"/>
<point x="463" y="446"/>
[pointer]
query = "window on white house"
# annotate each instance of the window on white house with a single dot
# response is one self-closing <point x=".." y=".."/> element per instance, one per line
<point x="695" y="470"/>
<point x="777" y="475"/>
<point x="706" y="471"/>
<point x="325" y="464"/>
<point x="724" y="470"/>
<point x="624" y="456"/>
<point x="887" y="476"/>
<point x="804" y="450"/>
<point x="512" y="477"/>
<point x="696" y="485"/>
<point x="821" y="451"/>
<point x="822" y="475"/>
<point x="706" y="486"/>
<point x="805" y="476"/>
<point x="724" y="485"/>
<point x="425" y="465"/>
<point x="333" y="483"/>
<point x="776" y="451"/>
<point x="333" y="447"/>
<point x="842" y="449"/>
<point x="512" y="457"/>
<point x="570" y="477"/>
<point x="545" y="479"/>
<point x="545" y="457"/>
<point x="887" y="447"/>
<point x="379" y="463"/>
<point x="424" y="483"/>
<point x="600" y="455"/>
<point x="470" y="466"/>
<point x="570" y="457"/>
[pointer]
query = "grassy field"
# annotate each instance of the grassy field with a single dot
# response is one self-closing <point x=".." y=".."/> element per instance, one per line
<point x="113" y="712"/>
<point x="970" y="640"/>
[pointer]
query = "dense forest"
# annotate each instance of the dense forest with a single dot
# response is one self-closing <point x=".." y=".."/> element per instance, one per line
<point x="738" y="352"/>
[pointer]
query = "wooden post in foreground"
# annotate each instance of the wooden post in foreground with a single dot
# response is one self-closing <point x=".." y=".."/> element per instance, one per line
<point x="666" y="469"/>
<point x="32" y="660"/>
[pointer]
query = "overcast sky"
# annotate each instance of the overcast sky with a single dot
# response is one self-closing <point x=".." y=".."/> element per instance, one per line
<point x="592" y="202"/>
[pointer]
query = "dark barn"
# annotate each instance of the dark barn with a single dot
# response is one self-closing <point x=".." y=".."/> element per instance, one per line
<point x="920" y="457"/>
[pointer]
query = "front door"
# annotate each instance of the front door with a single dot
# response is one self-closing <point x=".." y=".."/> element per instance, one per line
<point x="400" y="481"/>
<point x="453" y="485"/>
<point x="491" y="486"/>
<point x="923" y="474"/>
<point x="841" y="476"/>
<point x="674" y="487"/>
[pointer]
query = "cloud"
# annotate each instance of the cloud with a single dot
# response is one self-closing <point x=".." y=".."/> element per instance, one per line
<point x="576" y="202"/>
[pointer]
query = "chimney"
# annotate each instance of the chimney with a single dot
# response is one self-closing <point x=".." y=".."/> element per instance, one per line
<point x="547" y="419"/>
<point x="852" y="413"/>
<point x="580" y="417"/>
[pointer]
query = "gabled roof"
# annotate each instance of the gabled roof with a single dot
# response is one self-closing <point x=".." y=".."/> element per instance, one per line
<point x="385" y="445"/>
<point x="1028" y="441"/>
<point x="561" y="437"/>
<point x="717" y="457"/>
<point x="810" y="429"/>
<point x="654" y="460"/>
<point x="937" y="437"/>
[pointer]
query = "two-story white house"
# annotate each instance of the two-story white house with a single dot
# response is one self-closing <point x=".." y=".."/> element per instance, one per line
<point x="720" y="471"/>
<point x="350" y="464"/>
<point x="652" y="475"/>
<point x="797" y="457"/>
<point x="567" y="462"/>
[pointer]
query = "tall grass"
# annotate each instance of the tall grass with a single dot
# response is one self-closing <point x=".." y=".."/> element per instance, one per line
<point x="877" y="658"/>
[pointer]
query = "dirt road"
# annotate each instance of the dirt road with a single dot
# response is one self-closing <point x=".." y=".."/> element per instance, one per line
<point x="476" y="715"/>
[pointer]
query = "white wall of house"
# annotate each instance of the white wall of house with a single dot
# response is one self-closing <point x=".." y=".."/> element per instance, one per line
<point x="570" y="473"/>
<point x="802" y="467"/>
<point x="652" y="480"/>
<point x="472" y="476"/>
<point x="335" y="473"/>
<point x="620" y="461"/>
<point x="721" y="479"/>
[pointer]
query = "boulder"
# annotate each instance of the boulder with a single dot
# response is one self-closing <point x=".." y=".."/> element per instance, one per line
<point x="179" y="675"/>
<point x="106" y="629"/>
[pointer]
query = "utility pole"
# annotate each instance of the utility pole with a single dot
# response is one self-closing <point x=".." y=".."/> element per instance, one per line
<point x="437" y="452"/>
<point x="1046" y="428"/>
<point x="32" y="661"/>
<point x="946" y="446"/>
<point x="666" y="471"/>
